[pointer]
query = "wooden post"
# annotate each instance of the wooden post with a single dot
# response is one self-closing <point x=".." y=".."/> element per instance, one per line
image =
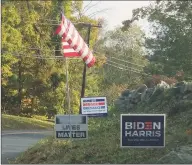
<point x="85" y="66"/>
<point x="84" y="70"/>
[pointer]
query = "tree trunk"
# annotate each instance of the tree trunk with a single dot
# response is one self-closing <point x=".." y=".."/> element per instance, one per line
<point x="20" y="85"/>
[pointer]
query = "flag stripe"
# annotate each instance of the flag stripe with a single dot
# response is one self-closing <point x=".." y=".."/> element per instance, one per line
<point x="65" y="43"/>
<point x="81" y="51"/>
<point x="67" y="50"/>
<point x="75" y="37"/>
<point x="86" y="57"/>
<point x="70" y="31"/>
<point x="85" y="51"/>
<point x="80" y="45"/>
<point x="62" y="30"/>
<point x="71" y="54"/>
<point x="89" y="59"/>
<point x="78" y="41"/>
<point x="92" y="62"/>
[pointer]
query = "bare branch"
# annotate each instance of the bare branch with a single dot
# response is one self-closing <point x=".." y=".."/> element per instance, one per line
<point x="83" y="12"/>
<point x="103" y="10"/>
<point x="87" y="5"/>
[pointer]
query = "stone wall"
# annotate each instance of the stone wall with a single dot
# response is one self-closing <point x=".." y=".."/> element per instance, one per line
<point x="130" y="98"/>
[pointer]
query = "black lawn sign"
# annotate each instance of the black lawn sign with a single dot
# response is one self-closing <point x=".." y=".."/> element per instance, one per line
<point x="142" y="130"/>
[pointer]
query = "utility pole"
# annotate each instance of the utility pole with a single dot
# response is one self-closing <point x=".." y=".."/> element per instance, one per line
<point x="85" y="66"/>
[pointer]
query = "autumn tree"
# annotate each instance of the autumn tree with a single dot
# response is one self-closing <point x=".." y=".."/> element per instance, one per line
<point x="33" y="82"/>
<point x="170" y="45"/>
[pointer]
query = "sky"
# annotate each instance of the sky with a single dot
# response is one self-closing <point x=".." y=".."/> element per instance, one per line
<point x="116" y="12"/>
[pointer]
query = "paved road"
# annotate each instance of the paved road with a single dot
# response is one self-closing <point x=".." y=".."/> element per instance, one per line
<point x="15" y="142"/>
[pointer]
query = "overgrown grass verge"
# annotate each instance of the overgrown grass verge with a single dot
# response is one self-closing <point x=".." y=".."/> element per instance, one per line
<point x="10" y="122"/>
<point x="102" y="146"/>
<point x="103" y="143"/>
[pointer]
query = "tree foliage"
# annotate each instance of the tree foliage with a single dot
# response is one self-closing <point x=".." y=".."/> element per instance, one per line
<point x="34" y="85"/>
<point x="123" y="49"/>
<point x="170" y="45"/>
<point x="33" y="82"/>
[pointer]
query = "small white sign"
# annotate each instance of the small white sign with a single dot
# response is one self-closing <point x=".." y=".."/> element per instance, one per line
<point x="71" y="126"/>
<point x="94" y="106"/>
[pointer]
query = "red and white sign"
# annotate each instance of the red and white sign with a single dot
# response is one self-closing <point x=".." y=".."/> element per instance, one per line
<point x="94" y="105"/>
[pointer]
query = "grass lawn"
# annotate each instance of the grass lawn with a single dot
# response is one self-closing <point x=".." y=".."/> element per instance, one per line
<point x="103" y="146"/>
<point x="10" y="122"/>
<point x="103" y="143"/>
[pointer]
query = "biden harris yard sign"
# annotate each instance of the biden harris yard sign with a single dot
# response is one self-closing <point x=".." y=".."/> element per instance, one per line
<point x="142" y="130"/>
<point x="71" y="126"/>
<point x="94" y="106"/>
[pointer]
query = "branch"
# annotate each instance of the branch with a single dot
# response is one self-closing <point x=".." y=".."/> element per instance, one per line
<point x="83" y="12"/>
<point x="87" y="5"/>
<point x="91" y="15"/>
<point x="35" y="27"/>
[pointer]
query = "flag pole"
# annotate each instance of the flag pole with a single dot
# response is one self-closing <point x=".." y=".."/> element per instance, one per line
<point x="68" y="95"/>
<point x="67" y="82"/>
<point x="67" y="86"/>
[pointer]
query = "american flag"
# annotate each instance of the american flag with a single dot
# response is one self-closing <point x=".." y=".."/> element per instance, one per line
<point x="69" y="33"/>
<point x="67" y="50"/>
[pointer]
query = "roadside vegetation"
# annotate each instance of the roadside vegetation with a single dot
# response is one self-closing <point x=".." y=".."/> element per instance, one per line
<point x="103" y="143"/>
<point x="10" y="122"/>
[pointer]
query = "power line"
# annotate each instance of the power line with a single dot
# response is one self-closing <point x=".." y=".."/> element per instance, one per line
<point x="115" y="66"/>
<point x="50" y="20"/>
<point x="127" y="69"/>
<point x="41" y="57"/>
<point x="58" y="22"/>
<point x="43" y="49"/>
<point x="88" y="8"/>
<point x="54" y="24"/>
<point x="124" y="60"/>
<point x="127" y="62"/>
<point x="123" y="65"/>
<point x="61" y="58"/>
<point x="93" y="52"/>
